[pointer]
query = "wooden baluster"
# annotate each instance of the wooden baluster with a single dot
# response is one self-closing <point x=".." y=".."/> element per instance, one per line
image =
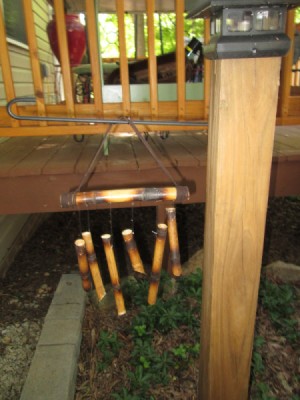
<point x="207" y="70"/>
<point x="92" y="28"/>
<point x="64" y="56"/>
<point x="124" y="73"/>
<point x="287" y="63"/>
<point x="180" y="58"/>
<point x="114" y="275"/>
<point x="152" y="64"/>
<point x="6" y="67"/>
<point x="34" y="59"/>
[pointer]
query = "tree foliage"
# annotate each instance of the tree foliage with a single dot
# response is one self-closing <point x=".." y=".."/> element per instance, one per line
<point x="297" y="15"/>
<point x="165" y="33"/>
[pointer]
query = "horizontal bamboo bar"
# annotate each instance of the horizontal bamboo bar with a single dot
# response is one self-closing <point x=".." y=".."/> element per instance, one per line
<point x="173" y="241"/>
<point x="94" y="267"/>
<point x="162" y="230"/>
<point x="113" y="272"/>
<point x="179" y="194"/>
<point x="132" y="251"/>
<point x="83" y="264"/>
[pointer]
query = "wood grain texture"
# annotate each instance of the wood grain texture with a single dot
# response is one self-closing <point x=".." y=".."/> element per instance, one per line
<point x="240" y="141"/>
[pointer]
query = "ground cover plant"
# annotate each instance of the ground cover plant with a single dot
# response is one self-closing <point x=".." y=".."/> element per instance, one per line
<point x="152" y="353"/>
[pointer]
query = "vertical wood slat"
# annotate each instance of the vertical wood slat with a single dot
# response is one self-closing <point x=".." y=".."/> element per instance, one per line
<point x="6" y="67"/>
<point x="64" y="55"/>
<point x="124" y="74"/>
<point x="180" y="58"/>
<point x="207" y="70"/>
<point x="92" y="27"/>
<point x="152" y="64"/>
<point x="34" y="59"/>
<point x="287" y="63"/>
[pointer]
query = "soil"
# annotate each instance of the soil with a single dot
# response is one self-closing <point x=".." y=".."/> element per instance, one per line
<point x="27" y="290"/>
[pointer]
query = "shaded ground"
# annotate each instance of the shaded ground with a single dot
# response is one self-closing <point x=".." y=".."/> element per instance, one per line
<point x="27" y="290"/>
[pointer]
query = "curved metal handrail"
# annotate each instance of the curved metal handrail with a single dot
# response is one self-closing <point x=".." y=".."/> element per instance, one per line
<point x="123" y="121"/>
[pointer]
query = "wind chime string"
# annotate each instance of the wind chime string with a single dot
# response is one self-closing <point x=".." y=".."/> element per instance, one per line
<point x="87" y="176"/>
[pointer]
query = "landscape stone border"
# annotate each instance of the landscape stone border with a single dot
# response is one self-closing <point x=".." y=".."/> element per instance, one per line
<point x="53" y="370"/>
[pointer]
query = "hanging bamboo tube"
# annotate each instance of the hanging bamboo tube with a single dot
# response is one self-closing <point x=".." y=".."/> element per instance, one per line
<point x="179" y="193"/>
<point x="94" y="267"/>
<point x="162" y="230"/>
<point x="113" y="272"/>
<point x="83" y="264"/>
<point x="173" y="241"/>
<point x="133" y="252"/>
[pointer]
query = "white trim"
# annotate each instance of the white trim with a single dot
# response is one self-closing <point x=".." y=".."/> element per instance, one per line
<point x="16" y="43"/>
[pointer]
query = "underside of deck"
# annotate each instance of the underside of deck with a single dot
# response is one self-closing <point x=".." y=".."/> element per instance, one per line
<point x="35" y="171"/>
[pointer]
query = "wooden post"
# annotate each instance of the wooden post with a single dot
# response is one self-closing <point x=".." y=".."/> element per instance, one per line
<point x="240" y="142"/>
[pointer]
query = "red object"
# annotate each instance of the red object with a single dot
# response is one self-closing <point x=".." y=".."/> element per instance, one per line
<point x="75" y="36"/>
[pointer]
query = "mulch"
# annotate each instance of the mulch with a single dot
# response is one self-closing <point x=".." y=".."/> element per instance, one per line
<point x="36" y="271"/>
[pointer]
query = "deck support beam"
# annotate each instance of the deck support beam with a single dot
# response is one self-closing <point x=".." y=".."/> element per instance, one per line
<point x="240" y="142"/>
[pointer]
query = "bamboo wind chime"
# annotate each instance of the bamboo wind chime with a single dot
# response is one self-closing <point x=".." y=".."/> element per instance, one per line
<point x="83" y="264"/>
<point x="87" y="260"/>
<point x="162" y="230"/>
<point x="93" y="264"/>
<point x="114" y="275"/>
<point x="133" y="252"/>
<point x="173" y="241"/>
<point x="85" y="249"/>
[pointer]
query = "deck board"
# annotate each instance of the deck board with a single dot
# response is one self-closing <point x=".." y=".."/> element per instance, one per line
<point x="34" y="162"/>
<point x="34" y="171"/>
<point x="89" y="149"/>
<point x="14" y="151"/>
<point x="143" y="157"/>
<point x="64" y="159"/>
<point x="191" y="144"/>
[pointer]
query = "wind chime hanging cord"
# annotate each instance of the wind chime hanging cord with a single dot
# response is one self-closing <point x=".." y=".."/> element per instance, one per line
<point x="178" y="193"/>
<point x="92" y="165"/>
<point x="149" y="148"/>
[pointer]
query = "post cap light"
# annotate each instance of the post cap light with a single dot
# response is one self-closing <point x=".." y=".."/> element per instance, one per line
<point x="243" y="29"/>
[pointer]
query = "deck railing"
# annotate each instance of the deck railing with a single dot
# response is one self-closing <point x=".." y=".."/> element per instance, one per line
<point x="179" y="109"/>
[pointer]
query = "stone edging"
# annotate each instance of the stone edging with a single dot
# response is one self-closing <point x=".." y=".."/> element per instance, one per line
<point x="53" y="370"/>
